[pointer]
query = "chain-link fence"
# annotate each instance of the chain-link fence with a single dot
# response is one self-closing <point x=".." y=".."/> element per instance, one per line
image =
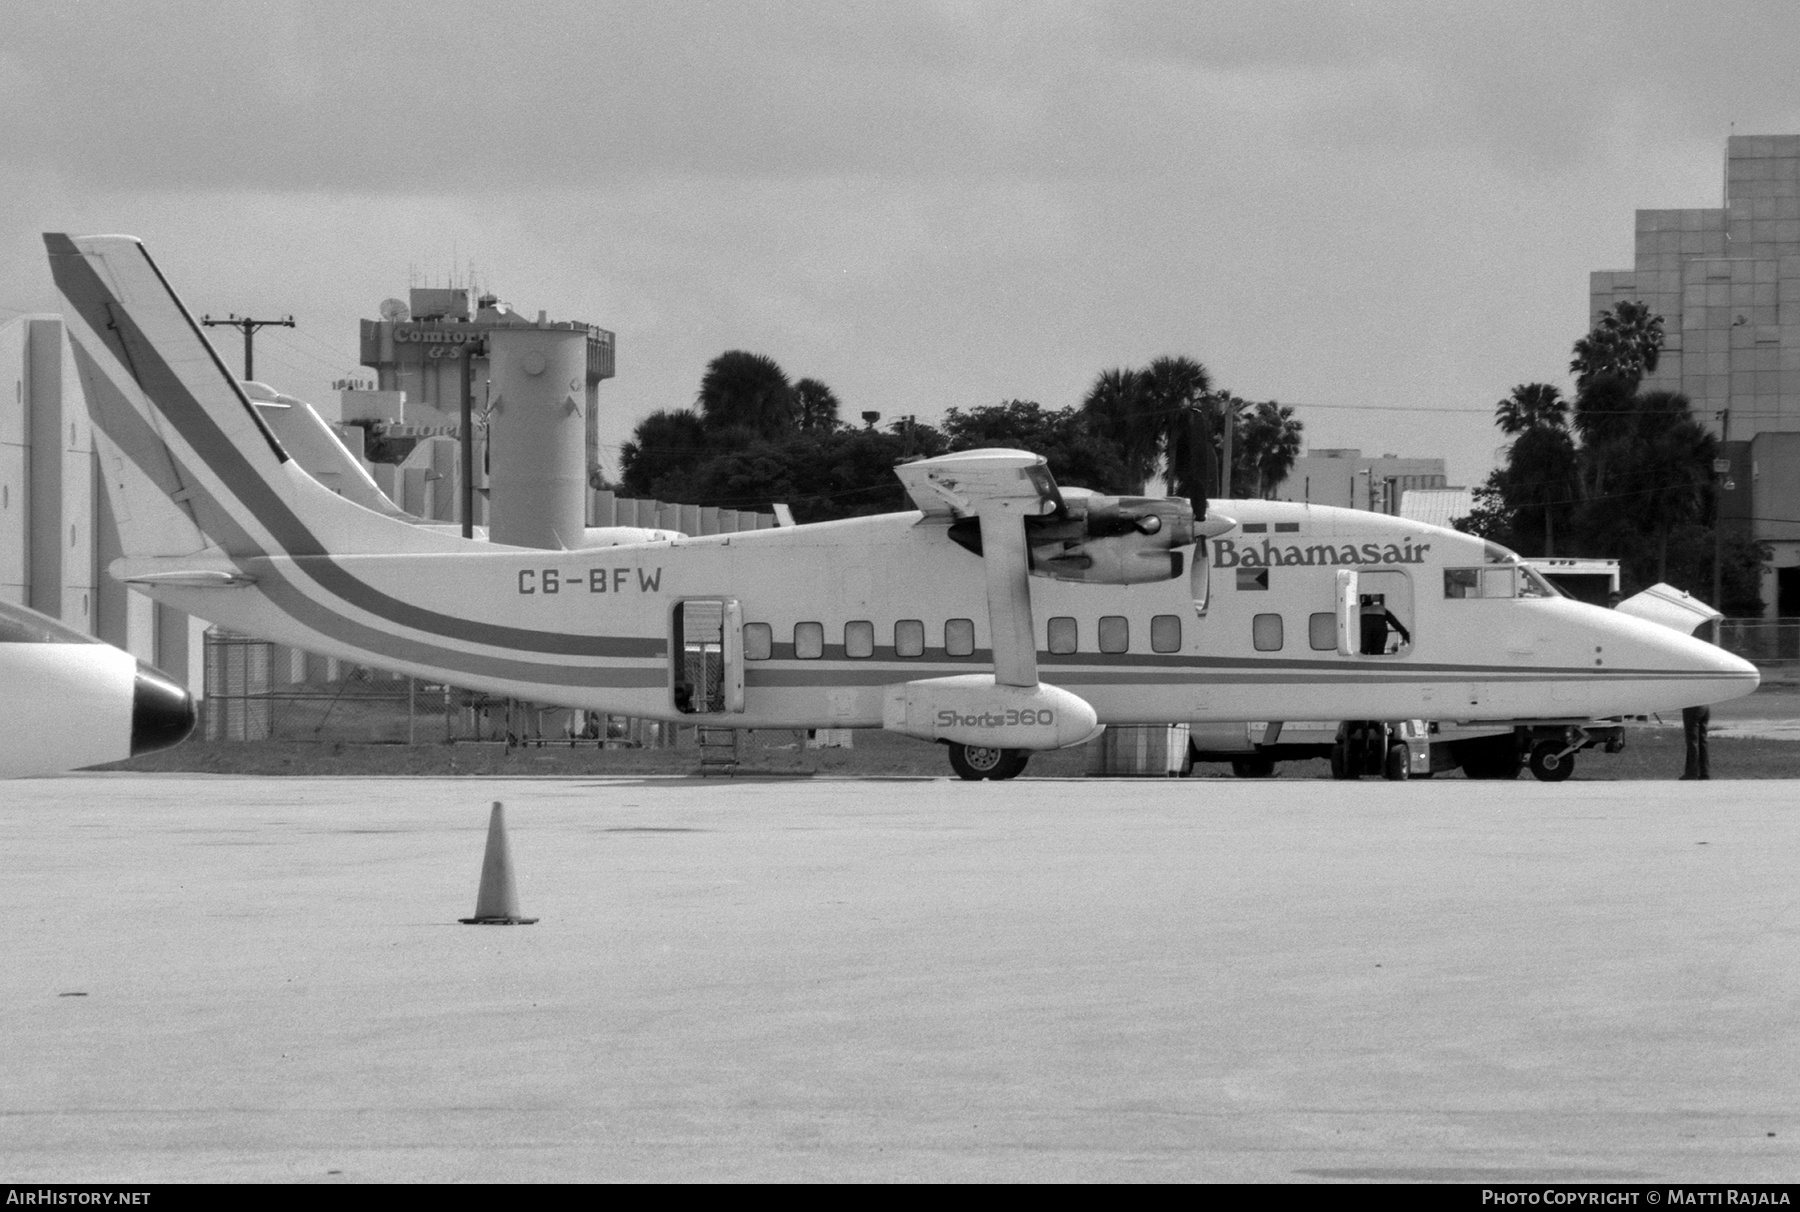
<point x="1773" y="645"/>
<point x="258" y="691"/>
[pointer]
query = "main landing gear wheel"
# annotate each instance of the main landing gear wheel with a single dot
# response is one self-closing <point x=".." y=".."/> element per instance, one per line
<point x="1549" y="764"/>
<point x="986" y="762"/>
<point x="1398" y="768"/>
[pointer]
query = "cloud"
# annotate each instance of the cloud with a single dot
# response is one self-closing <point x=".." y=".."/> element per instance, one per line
<point x="925" y="204"/>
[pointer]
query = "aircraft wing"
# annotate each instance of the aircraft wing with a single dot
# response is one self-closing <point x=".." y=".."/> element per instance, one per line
<point x="957" y="485"/>
<point x="1001" y="488"/>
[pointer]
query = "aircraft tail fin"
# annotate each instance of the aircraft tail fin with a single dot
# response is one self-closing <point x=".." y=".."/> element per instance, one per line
<point x="189" y="463"/>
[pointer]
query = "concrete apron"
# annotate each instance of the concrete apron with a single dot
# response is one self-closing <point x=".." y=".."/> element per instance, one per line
<point x="900" y="979"/>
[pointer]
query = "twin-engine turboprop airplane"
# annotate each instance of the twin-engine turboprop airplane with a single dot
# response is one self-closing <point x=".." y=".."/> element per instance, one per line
<point x="72" y="701"/>
<point x="1001" y="617"/>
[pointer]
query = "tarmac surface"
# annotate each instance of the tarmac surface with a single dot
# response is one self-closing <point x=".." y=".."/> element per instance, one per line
<point x="220" y="978"/>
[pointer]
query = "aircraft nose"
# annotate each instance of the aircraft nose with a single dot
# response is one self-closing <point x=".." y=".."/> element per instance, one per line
<point x="162" y="712"/>
<point x="1734" y="666"/>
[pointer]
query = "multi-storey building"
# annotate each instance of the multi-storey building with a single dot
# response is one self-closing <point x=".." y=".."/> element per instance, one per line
<point x="1726" y="281"/>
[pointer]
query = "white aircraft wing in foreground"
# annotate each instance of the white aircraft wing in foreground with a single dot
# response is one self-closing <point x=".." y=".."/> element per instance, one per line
<point x="72" y="701"/>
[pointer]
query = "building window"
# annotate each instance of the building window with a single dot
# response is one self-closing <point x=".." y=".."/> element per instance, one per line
<point x="959" y="638"/>
<point x="859" y="639"/>
<point x="1115" y="633"/>
<point x="1165" y="633"/>
<point x="809" y="641"/>
<point x="1265" y="632"/>
<point x="1063" y="634"/>
<point x="1321" y="631"/>
<point x="759" y="640"/>
<point x="909" y="638"/>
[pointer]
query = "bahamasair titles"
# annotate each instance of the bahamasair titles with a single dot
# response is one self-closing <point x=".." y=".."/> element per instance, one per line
<point x="1002" y="616"/>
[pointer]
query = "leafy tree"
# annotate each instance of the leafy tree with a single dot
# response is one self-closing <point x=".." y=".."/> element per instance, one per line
<point x="665" y="446"/>
<point x="820" y="474"/>
<point x="746" y="391"/>
<point x="1492" y="518"/>
<point x="1078" y="457"/>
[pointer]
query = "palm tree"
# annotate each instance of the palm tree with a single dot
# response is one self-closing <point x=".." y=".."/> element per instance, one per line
<point x="1541" y="468"/>
<point x="1117" y="412"/>
<point x="1268" y="442"/>
<point x="1178" y="392"/>
<point x="1532" y="406"/>
<point x="1625" y="344"/>
<point x="746" y="391"/>
<point x="1667" y="469"/>
<point x="815" y="406"/>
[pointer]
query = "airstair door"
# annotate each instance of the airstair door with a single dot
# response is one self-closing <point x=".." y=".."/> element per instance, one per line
<point x="706" y="651"/>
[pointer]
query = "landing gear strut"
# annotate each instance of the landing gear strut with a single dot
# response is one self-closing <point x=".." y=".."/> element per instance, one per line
<point x="985" y="762"/>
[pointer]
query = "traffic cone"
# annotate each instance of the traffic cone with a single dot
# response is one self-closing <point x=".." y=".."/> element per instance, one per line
<point x="497" y="903"/>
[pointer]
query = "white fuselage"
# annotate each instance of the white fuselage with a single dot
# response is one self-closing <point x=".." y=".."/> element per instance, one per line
<point x="591" y="629"/>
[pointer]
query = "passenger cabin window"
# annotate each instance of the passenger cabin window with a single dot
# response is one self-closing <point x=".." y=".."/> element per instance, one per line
<point x="1165" y="633"/>
<point x="1321" y="631"/>
<point x="909" y="638"/>
<point x="809" y="641"/>
<point x="1115" y="633"/>
<point x="1265" y="633"/>
<point x="759" y="641"/>
<point x="959" y="638"/>
<point x="859" y="639"/>
<point x="1064" y="635"/>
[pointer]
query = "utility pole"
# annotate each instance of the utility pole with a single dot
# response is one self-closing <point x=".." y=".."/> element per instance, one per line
<point x="249" y="326"/>
<point x="1722" y="483"/>
<point x="1228" y="421"/>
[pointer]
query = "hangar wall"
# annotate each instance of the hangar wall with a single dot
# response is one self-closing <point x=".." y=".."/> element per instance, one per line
<point x="57" y="535"/>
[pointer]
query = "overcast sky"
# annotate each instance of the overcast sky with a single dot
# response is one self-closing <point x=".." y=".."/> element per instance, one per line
<point x="1384" y="214"/>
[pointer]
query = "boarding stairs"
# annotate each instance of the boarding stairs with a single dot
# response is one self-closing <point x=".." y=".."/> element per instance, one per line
<point x="718" y="749"/>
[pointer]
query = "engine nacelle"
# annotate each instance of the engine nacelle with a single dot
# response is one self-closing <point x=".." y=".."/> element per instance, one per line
<point x="1112" y="540"/>
<point x="971" y="709"/>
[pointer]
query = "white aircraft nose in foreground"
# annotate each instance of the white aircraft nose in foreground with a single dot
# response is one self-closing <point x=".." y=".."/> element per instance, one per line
<point x="72" y="701"/>
<point x="1002" y="616"/>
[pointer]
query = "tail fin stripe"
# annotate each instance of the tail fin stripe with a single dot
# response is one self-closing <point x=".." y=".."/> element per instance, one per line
<point x="236" y="473"/>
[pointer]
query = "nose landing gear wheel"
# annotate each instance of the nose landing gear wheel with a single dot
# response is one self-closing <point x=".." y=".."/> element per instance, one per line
<point x="974" y="762"/>
<point x="1549" y="764"/>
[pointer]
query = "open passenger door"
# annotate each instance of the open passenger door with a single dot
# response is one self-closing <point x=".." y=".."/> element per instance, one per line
<point x="706" y="656"/>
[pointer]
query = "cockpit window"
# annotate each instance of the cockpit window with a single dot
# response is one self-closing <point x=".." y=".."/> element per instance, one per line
<point x="1493" y="553"/>
<point x="1489" y="581"/>
<point x="1533" y="584"/>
